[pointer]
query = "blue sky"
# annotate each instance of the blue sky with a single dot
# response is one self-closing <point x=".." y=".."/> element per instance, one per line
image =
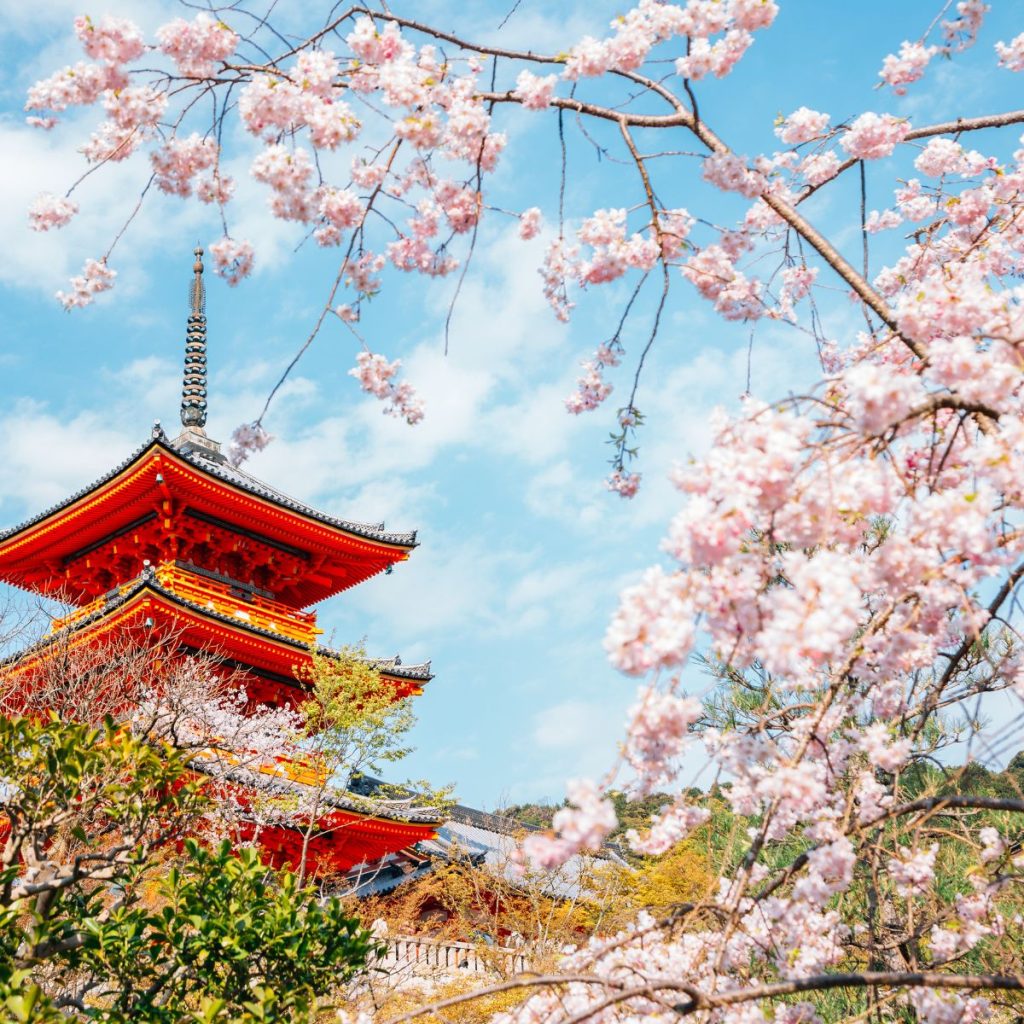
<point x="523" y="551"/>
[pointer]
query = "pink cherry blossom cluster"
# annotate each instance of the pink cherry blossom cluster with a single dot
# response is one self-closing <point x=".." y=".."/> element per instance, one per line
<point x="96" y="277"/>
<point x="376" y="376"/>
<point x="624" y="484"/>
<point x="1011" y="54"/>
<point x="591" y="388"/>
<point x="583" y="825"/>
<point x="819" y="168"/>
<point x="113" y="41"/>
<point x="197" y="46"/>
<point x="535" y="91"/>
<point x="530" y="222"/>
<point x="803" y="125"/>
<point x="796" y="285"/>
<point x="50" y="211"/>
<point x="963" y="30"/>
<point x="873" y="136"/>
<point x="178" y="161"/>
<point x="913" y="870"/>
<point x="246" y="440"/>
<point x="658" y="729"/>
<point x="732" y="174"/>
<point x="232" y="259"/>
<point x="713" y="272"/>
<point x="908" y="66"/>
<point x="558" y="267"/>
<point x="612" y="253"/>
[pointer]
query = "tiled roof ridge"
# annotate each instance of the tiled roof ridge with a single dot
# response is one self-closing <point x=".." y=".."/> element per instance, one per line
<point x="80" y="493"/>
<point x="466" y="815"/>
<point x="342" y="801"/>
<point x="236" y="477"/>
<point x="240" y="478"/>
<point x="148" y="578"/>
<point x="390" y="666"/>
<point x="491" y="822"/>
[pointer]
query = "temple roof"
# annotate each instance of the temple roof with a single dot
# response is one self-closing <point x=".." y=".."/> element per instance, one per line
<point x="481" y="839"/>
<point x="277" y="656"/>
<point x="181" y="501"/>
<point x="233" y="475"/>
<point x="336" y="799"/>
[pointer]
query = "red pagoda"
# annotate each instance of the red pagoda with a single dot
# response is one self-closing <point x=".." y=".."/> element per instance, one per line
<point x="178" y="540"/>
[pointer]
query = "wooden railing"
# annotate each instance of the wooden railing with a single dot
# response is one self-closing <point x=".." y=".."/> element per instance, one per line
<point x="410" y="953"/>
<point x="256" y="610"/>
<point x="253" y="609"/>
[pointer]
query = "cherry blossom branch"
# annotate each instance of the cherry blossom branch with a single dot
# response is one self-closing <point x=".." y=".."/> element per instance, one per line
<point x="953" y="801"/>
<point x="681" y="118"/>
<point x="883" y="979"/>
<point x="330" y="298"/>
<point x="955" y="127"/>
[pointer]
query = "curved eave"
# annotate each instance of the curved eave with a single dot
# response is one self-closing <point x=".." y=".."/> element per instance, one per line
<point x="233" y="479"/>
<point x="258" y="647"/>
<point x="242" y="481"/>
<point x="374" y="816"/>
<point x="390" y="668"/>
<point x="159" y="482"/>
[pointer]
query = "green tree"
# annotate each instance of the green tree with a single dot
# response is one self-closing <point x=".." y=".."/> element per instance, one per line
<point x="108" y="912"/>
<point x="354" y="722"/>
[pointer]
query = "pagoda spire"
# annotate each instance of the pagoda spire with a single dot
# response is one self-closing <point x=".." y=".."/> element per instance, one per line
<point x="193" y="389"/>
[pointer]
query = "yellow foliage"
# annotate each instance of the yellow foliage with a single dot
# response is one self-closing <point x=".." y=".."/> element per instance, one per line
<point x="472" y="1011"/>
<point x="682" y="875"/>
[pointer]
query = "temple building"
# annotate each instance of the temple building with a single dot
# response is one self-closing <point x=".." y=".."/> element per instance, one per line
<point x="175" y="539"/>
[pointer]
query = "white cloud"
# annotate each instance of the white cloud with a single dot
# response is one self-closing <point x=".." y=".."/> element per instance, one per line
<point x="568" y="725"/>
<point x="43" y="459"/>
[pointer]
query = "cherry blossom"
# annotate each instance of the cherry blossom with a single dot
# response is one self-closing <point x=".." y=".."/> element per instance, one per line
<point x="624" y="484"/>
<point x="530" y="223"/>
<point x="909" y="66"/>
<point x="651" y="628"/>
<point x="50" y="211"/>
<point x="994" y="846"/>
<point x="873" y="136"/>
<point x="245" y="441"/>
<point x="658" y="728"/>
<point x="114" y="40"/>
<point x="820" y="167"/>
<point x="232" y="259"/>
<point x="591" y="390"/>
<point x="535" y="91"/>
<point x="669" y="828"/>
<point x="376" y="376"/>
<point x="197" y="46"/>
<point x="1011" y="55"/>
<point x="913" y="869"/>
<point x="941" y="156"/>
<point x="96" y="277"/>
<point x="583" y="825"/>
<point x="882" y="221"/>
<point x="717" y="58"/>
<point x="81" y="84"/>
<point x="965" y="27"/>
<point x="178" y="161"/>
<point x="803" y="125"/>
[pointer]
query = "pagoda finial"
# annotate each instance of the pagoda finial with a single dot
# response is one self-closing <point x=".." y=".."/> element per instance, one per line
<point x="193" y="390"/>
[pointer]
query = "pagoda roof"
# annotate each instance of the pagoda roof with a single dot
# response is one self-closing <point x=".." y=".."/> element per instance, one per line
<point x="334" y="798"/>
<point x="34" y="553"/>
<point x="234" y="475"/>
<point x="240" y="638"/>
